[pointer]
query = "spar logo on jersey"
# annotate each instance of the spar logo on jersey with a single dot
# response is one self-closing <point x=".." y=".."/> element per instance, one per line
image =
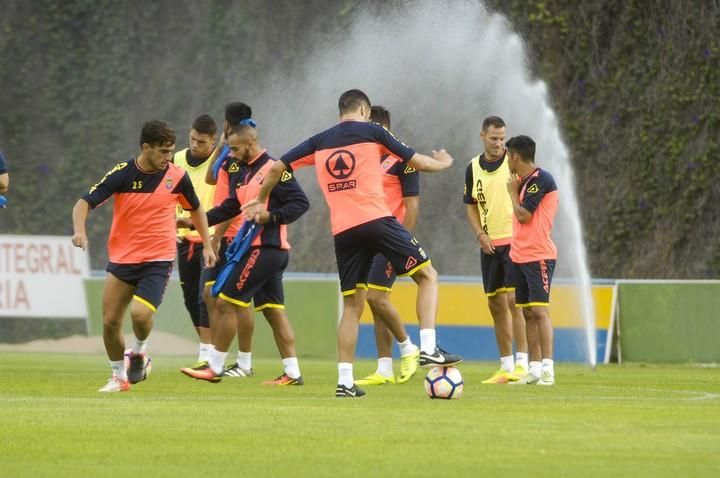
<point x="168" y="183"/>
<point x="340" y="165"/>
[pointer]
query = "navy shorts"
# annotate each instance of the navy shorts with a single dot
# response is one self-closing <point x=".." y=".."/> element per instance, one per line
<point x="150" y="280"/>
<point x="258" y="278"/>
<point x="382" y="274"/>
<point x="190" y="264"/>
<point x="356" y="248"/>
<point x="498" y="271"/>
<point x="533" y="283"/>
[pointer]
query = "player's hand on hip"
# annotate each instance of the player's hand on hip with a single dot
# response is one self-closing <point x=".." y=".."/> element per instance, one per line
<point x="486" y="244"/>
<point x="80" y="240"/>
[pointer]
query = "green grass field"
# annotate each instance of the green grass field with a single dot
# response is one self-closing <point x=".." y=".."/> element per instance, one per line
<point x="630" y="420"/>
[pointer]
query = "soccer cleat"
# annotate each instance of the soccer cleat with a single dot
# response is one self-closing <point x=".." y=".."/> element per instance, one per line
<point x="439" y="358"/>
<point x="285" y="379"/>
<point x="344" y="392"/>
<point x="137" y="369"/>
<point x="375" y="379"/>
<point x="527" y="379"/>
<point x="235" y="371"/>
<point x="520" y="371"/>
<point x="116" y="384"/>
<point x="408" y="366"/>
<point x="206" y="374"/>
<point x="200" y="364"/>
<point x="501" y="377"/>
<point x="546" y="379"/>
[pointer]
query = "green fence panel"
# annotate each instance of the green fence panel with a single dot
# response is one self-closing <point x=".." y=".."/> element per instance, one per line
<point x="670" y="322"/>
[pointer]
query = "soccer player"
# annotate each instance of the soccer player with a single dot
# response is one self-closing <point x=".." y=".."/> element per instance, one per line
<point x="402" y="185"/>
<point x="141" y="245"/>
<point x="258" y="275"/>
<point x="222" y="169"/>
<point x="489" y="213"/>
<point x="196" y="161"/>
<point x="348" y="168"/>
<point x="534" y="198"/>
<point x="4" y="176"/>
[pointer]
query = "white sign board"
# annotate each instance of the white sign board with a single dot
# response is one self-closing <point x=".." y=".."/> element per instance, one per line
<point x="42" y="276"/>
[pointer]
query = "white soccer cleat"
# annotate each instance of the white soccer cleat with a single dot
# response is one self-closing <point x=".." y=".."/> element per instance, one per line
<point x="116" y="384"/>
<point x="546" y="379"/>
<point x="527" y="379"/>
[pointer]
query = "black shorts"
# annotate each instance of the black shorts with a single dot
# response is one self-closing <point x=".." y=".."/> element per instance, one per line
<point x="533" y="283"/>
<point x="498" y="271"/>
<point x="190" y="264"/>
<point x="382" y="274"/>
<point x="209" y="274"/>
<point x="356" y="248"/>
<point x="150" y="280"/>
<point x="258" y="278"/>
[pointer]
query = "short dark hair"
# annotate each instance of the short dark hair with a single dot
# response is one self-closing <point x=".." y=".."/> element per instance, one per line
<point x="238" y="129"/>
<point x="351" y="100"/>
<point x="157" y="133"/>
<point x="205" y="124"/>
<point x="237" y="111"/>
<point x="494" y="121"/>
<point x="379" y="114"/>
<point x="522" y="145"/>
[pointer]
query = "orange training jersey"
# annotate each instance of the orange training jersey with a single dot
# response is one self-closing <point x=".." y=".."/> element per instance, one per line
<point x="531" y="242"/>
<point x="143" y="227"/>
<point x="286" y="203"/>
<point x="399" y="181"/>
<point x="349" y="166"/>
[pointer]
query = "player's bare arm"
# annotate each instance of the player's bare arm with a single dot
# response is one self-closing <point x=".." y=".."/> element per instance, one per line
<point x="256" y="208"/>
<point x="4" y="182"/>
<point x="199" y="220"/>
<point x="440" y="160"/>
<point x="209" y="178"/>
<point x="473" y="217"/>
<point x="513" y="187"/>
<point x="79" y="215"/>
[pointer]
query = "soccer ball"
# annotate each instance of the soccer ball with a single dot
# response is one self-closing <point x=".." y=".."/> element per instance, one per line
<point x="147" y="364"/>
<point x="444" y="382"/>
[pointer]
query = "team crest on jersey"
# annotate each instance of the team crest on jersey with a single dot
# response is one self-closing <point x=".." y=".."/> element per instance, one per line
<point x="533" y="189"/>
<point x="286" y="176"/>
<point x="234" y="168"/>
<point x="168" y="183"/>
